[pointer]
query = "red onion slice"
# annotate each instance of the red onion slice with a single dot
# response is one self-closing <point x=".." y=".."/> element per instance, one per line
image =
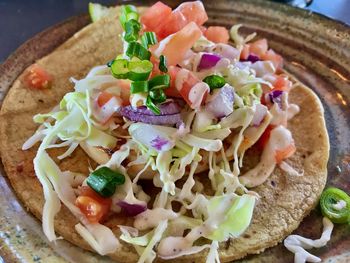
<point x="276" y="97"/>
<point x="226" y="51"/>
<point x="132" y="209"/>
<point x="169" y="116"/>
<point x="208" y="61"/>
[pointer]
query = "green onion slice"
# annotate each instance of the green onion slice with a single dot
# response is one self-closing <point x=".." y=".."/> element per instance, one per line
<point x="140" y="70"/>
<point x="127" y="13"/>
<point x="150" y="104"/>
<point x="162" y="64"/>
<point x="132" y="29"/>
<point x="214" y="81"/>
<point x="139" y="86"/>
<point x="133" y="70"/>
<point x="149" y="39"/>
<point x="157" y="95"/>
<point x="330" y="198"/>
<point x="159" y="82"/>
<point x="120" y="68"/>
<point x="135" y="49"/>
<point x="104" y="181"/>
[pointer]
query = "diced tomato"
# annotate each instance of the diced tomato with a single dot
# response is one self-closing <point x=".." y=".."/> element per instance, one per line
<point x="175" y="46"/>
<point x="92" y="205"/>
<point x="172" y="24"/>
<point x="280" y="155"/>
<point x="259" y="47"/>
<point x="36" y="77"/>
<point x="193" y="12"/>
<point x="203" y="29"/>
<point x="104" y="97"/>
<point x="264" y="138"/>
<point x="155" y="15"/>
<point x="245" y="52"/>
<point x="217" y="34"/>
<point x="276" y="59"/>
<point x="183" y="88"/>
<point x="282" y="83"/>
<point x="125" y="91"/>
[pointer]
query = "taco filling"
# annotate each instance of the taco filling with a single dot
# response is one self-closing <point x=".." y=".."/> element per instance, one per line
<point x="167" y="124"/>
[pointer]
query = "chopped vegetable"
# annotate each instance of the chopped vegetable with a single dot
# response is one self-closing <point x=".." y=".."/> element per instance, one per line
<point x="132" y="29"/>
<point x="259" y="47"/>
<point x="157" y="95"/>
<point x="193" y="12"/>
<point x="163" y="64"/>
<point x="217" y="34"/>
<point x="93" y="206"/>
<point x="133" y="70"/>
<point x="131" y="209"/>
<point x="175" y="46"/>
<point x="208" y="61"/>
<point x="159" y="82"/>
<point x="139" y="86"/>
<point x="328" y="202"/>
<point x="36" y="77"/>
<point x="220" y="103"/>
<point x="214" y="81"/>
<point x="148" y="39"/>
<point x="153" y="107"/>
<point x="104" y="181"/>
<point x="155" y="15"/>
<point x="127" y="13"/>
<point x="135" y="49"/>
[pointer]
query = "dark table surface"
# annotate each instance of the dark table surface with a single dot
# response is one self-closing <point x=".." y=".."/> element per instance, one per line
<point x="20" y="19"/>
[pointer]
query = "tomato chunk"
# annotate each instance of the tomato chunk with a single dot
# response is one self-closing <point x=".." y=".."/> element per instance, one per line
<point x="36" y="77"/>
<point x="264" y="138"/>
<point x="217" y="34"/>
<point x="245" y="52"/>
<point x="172" y="24"/>
<point x="174" y="47"/>
<point x="92" y="205"/>
<point x="104" y="97"/>
<point x="193" y="12"/>
<point x="155" y="15"/>
<point x="276" y="59"/>
<point x="282" y="83"/>
<point x="280" y="155"/>
<point x="259" y="47"/>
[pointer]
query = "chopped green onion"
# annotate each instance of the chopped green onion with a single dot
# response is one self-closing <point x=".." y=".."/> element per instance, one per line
<point x="120" y="68"/>
<point x="139" y="70"/>
<point x="214" y="81"/>
<point x="329" y="199"/>
<point x="132" y="29"/>
<point x="133" y="70"/>
<point x="157" y="95"/>
<point x="162" y="64"/>
<point x="159" y="82"/>
<point x="148" y="39"/>
<point x="135" y="49"/>
<point x="152" y="106"/>
<point x="104" y="181"/>
<point x="139" y="86"/>
<point x="127" y="13"/>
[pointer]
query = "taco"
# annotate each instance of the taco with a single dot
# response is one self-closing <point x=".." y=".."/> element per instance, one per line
<point x="169" y="143"/>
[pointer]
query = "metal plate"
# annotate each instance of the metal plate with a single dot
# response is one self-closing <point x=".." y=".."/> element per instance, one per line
<point x="316" y="50"/>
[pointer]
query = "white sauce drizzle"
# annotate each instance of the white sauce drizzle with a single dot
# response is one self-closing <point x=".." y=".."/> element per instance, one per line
<point x="339" y="205"/>
<point x="280" y="138"/>
<point x="289" y="169"/>
<point x="298" y="244"/>
<point x="151" y="218"/>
